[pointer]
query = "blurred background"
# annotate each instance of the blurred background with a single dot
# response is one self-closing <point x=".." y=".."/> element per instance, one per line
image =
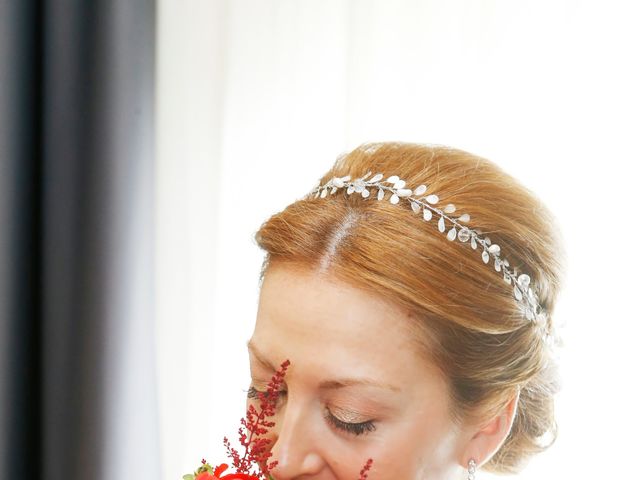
<point x="143" y="142"/>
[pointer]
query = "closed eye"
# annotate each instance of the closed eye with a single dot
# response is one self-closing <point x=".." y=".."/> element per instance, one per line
<point x="352" y="428"/>
<point x="356" y="429"/>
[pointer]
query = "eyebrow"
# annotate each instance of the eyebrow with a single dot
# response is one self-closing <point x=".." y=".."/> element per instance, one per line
<point x="327" y="384"/>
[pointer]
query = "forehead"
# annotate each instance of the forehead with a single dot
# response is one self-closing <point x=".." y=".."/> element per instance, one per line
<point x="326" y="325"/>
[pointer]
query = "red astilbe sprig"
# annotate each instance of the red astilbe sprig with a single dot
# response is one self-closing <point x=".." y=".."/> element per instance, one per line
<point x="364" y="472"/>
<point x="256" y="449"/>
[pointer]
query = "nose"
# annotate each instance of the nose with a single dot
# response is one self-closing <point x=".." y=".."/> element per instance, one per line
<point x="295" y="445"/>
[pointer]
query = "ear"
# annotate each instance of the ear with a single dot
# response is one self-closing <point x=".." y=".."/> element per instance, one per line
<point x="488" y="439"/>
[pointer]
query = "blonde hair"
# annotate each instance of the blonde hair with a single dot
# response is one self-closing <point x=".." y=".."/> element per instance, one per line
<point x="466" y="318"/>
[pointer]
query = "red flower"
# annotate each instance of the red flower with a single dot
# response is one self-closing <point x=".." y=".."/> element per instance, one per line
<point x="217" y="474"/>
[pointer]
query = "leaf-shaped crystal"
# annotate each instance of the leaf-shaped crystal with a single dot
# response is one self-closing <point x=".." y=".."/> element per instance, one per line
<point x="415" y="206"/>
<point x="338" y="182"/>
<point x="403" y="192"/>
<point x="432" y="199"/>
<point x="495" y="249"/>
<point x="506" y="277"/>
<point x="380" y="194"/>
<point x="376" y="178"/>
<point x="464" y="217"/>
<point x="485" y="256"/>
<point x="323" y="193"/>
<point x="497" y="264"/>
<point x="463" y="234"/>
<point x="365" y="193"/>
<point x="400" y="184"/>
<point x="358" y="185"/>
<point x="450" y="208"/>
<point x="426" y="214"/>
<point x="420" y="190"/>
<point x="531" y="295"/>
<point x="394" y="199"/>
<point x="350" y="189"/>
<point x="366" y="175"/>
<point x="474" y="244"/>
<point x="441" y="224"/>
<point x="393" y="179"/>
<point x="529" y="314"/>
<point x="517" y="292"/>
<point x="451" y="234"/>
<point x="334" y="190"/>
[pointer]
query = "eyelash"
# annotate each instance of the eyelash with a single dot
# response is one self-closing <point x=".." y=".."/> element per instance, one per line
<point x="253" y="392"/>
<point x="352" y="428"/>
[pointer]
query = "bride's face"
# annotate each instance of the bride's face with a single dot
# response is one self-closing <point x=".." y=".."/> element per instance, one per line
<point x="356" y="387"/>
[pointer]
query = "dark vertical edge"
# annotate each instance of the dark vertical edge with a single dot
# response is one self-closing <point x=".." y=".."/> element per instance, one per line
<point x="36" y="247"/>
<point x="22" y="171"/>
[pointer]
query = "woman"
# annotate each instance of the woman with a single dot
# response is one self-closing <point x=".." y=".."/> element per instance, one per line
<point x="412" y="292"/>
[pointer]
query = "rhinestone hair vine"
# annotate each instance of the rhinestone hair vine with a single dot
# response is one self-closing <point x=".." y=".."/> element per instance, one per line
<point x="426" y="205"/>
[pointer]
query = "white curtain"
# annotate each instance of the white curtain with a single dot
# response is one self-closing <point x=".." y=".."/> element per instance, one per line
<point x="256" y="99"/>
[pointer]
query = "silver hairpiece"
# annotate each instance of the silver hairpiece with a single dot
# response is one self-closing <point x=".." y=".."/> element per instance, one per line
<point x="426" y="205"/>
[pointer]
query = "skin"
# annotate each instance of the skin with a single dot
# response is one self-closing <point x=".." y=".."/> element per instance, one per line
<point x="331" y="331"/>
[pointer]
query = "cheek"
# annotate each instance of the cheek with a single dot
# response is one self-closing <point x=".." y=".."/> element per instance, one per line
<point x="418" y="448"/>
<point x="398" y="452"/>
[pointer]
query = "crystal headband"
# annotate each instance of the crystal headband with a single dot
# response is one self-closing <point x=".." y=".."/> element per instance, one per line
<point x="426" y="205"/>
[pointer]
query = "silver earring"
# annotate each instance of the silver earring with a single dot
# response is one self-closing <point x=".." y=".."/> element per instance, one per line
<point x="471" y="469"/>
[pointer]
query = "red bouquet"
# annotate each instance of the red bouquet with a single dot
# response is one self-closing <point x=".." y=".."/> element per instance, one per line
<point x="254" y="464"/>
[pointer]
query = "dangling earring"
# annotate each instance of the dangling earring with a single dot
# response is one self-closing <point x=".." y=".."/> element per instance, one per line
<point x="471" y="469"/>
